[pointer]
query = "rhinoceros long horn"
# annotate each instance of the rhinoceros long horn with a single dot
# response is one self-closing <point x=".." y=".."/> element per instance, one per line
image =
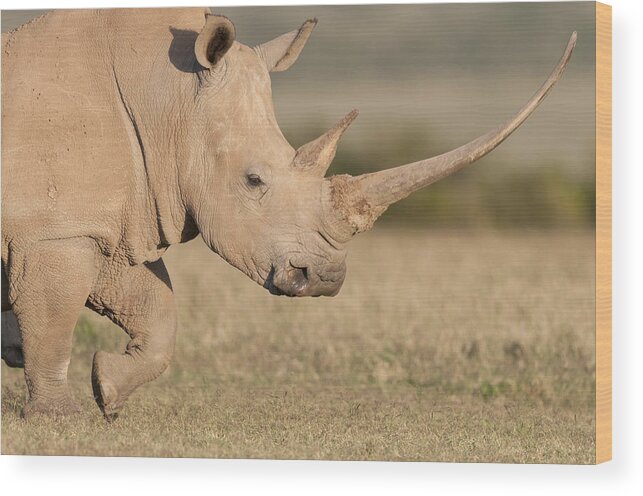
<point x="360" y="200"/>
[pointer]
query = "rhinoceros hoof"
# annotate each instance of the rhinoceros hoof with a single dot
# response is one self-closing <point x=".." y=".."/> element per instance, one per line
<point x="105" y="392"/>
<point x="63" y="406"/>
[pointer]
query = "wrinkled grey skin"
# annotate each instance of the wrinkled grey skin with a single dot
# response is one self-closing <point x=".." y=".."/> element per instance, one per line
<point x="129" y="131"/>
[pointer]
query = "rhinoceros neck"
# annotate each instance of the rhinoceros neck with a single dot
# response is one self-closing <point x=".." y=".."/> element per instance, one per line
<point x="156" y="146"/>
<point x="153" y="97"/>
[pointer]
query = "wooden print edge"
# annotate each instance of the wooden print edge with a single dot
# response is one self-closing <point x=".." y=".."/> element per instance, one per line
<point x="603" y="232"/>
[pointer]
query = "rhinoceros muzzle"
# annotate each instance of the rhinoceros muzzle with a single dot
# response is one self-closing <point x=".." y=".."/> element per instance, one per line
<point x="302" y="280"/>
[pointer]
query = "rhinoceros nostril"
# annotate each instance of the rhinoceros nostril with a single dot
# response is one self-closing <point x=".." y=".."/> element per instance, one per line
<point x="298" y="272"/>
<point x="295" y="282"/>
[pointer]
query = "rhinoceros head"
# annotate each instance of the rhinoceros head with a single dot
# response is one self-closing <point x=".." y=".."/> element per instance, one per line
<point x="267" y="208"/>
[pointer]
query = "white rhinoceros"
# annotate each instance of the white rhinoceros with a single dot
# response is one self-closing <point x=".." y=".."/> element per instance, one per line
<point x="127" y="131"/>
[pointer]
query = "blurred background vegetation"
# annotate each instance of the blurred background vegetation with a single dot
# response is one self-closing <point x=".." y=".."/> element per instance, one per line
<point x="427" y="78"/>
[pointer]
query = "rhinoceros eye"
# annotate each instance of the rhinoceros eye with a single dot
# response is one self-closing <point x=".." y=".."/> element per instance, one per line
<point x="254" y="180"/>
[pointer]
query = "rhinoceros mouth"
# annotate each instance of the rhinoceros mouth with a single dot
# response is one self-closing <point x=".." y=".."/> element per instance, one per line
<point x="270" y="285"/>
<point x="295" y="280"/>
<point x="290" y="280"/>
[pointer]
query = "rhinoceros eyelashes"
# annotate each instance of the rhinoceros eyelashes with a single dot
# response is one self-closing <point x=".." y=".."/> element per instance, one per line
<point x="214" y="40"/>
<point x="254" y="180"/>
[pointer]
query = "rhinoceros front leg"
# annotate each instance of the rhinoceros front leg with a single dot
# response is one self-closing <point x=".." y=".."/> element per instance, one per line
<point x="139" y="299"/>
<point x="49" y="284"/>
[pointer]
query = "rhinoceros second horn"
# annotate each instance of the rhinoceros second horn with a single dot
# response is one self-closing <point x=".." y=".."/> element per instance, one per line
<point x="319" y="154"/>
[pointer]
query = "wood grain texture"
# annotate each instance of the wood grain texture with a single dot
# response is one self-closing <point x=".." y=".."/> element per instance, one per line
<point x="471" y="343"/>
<point x="603" y="232"/>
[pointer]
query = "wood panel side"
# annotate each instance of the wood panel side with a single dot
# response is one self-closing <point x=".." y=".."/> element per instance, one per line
<point x="603" y="232"/>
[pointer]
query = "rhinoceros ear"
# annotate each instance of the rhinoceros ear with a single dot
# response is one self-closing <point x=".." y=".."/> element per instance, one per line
<point x="214" y="40"/>
<point x="282" y="52"/>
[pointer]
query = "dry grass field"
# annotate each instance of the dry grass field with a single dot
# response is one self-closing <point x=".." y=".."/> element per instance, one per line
<point x="468" y="346"/>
